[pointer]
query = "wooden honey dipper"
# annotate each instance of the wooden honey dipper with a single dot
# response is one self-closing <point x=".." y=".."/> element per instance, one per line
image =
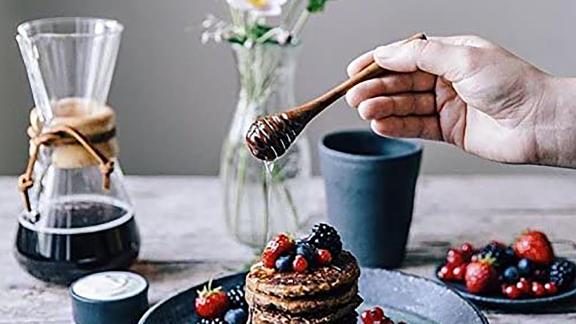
<point x="269" y="137"/>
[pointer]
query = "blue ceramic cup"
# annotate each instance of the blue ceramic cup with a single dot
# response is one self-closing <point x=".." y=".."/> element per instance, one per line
<point x="370" y="182"/>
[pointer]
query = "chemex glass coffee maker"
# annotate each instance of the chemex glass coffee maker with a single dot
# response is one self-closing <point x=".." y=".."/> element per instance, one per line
<point x="77" y="216"/>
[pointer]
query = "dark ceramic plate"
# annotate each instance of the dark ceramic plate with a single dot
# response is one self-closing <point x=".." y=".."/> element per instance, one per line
<point x="404" y="297"/>
<point x="496" y="301"/>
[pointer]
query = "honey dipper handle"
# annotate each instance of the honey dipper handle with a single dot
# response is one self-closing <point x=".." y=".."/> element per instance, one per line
<point x="372" y="71"/>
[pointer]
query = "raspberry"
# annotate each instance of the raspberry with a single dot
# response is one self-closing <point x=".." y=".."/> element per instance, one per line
<point x="467" y="250"/>
<point x="524" y="286"/>
<point x="459" y="272"/>
<point x="512" y="292"/>
<point x="300" y="264"/>
<point x="323" y="257"/>
<point x="446" y="272"/>
<point x="373" y="316"/>
<point x="538" y="289"/>
<point x="550" y="288"/>
<point x="455" y="257"/>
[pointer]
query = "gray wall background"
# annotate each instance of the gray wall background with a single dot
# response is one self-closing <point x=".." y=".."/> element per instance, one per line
<point x="175" y="97"/>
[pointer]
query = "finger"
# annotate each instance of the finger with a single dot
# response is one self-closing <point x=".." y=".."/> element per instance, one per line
<point x="364" y="60"/>
<point x="397" y="105"/>
<point x="412" y="126"/>
<point x="360" y="63"/>
<point x="464" y="40"/>
<point x="452" y="62"/>
<point x="390" y="84"/>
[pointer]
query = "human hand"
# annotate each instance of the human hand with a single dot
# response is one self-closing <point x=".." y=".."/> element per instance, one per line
<point x="471" y="93"/>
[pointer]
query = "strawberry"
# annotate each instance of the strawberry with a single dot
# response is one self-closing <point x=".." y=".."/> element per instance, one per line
<point x="534" y="246"/>
<point x="279" y="245"/>
<point x="211" y="303"/>
<point x="481" y="277"/>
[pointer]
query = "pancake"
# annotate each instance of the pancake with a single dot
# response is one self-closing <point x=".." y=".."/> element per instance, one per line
<point x="351" y="318"/>
<point x="343" y="315"/>
<point x="317" y="303"/>
<point x="343" y="272"/>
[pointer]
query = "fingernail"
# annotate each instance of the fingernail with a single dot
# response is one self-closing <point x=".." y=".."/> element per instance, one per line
<point x="384" y="52"/>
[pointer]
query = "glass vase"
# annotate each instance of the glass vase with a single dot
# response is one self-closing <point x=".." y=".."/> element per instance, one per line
<point x="261" y="199"/>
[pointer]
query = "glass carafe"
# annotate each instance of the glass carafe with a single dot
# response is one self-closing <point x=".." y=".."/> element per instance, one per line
<point x="78" y="217"/>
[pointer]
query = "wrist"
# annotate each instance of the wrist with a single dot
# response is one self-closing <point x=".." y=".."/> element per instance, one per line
<point x="555" y="127"/>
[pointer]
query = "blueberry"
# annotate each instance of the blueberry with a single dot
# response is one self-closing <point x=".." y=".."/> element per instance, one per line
<point x="510" y="254"/>
<point x="284" y="263"/>
<point x="236" y="316"/>
<point x="511" y="275"/>
<point x="525" y="267"/>
<point x="306" y="250"/>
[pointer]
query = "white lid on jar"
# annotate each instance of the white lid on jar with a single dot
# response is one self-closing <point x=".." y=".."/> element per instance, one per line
<point x="109" y="286"/>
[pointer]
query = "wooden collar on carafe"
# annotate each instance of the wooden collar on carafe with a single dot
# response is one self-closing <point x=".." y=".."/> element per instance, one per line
<point x="80" y="134"/>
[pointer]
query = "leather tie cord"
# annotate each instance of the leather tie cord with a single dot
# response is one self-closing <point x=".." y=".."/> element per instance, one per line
<point x="49" y="137"/>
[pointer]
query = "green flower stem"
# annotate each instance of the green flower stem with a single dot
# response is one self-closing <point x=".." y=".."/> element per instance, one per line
<point x="267" y="36"/>
<point x="300" y="23"/>
<point x="291" y="14"/>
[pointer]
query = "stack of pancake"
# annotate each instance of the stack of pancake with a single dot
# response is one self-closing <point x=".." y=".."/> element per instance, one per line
<point x="326" y="294"/>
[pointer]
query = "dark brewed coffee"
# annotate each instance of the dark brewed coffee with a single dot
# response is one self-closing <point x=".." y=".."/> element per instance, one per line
<point x="61" y="253"/>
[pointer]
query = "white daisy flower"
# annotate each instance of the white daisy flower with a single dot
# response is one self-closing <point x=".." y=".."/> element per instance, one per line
<point x="259" y="7"/>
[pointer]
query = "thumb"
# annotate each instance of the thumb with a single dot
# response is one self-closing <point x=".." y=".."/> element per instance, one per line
<point x="453" y="62"/>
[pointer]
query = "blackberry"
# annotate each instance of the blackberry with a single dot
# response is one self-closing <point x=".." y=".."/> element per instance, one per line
<point x="236" y="297"/>
<point x="503" y="256"/>
<point x="562" y="272"/>
<point x="326" y="237"/>
<point x="211" y="321"/>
